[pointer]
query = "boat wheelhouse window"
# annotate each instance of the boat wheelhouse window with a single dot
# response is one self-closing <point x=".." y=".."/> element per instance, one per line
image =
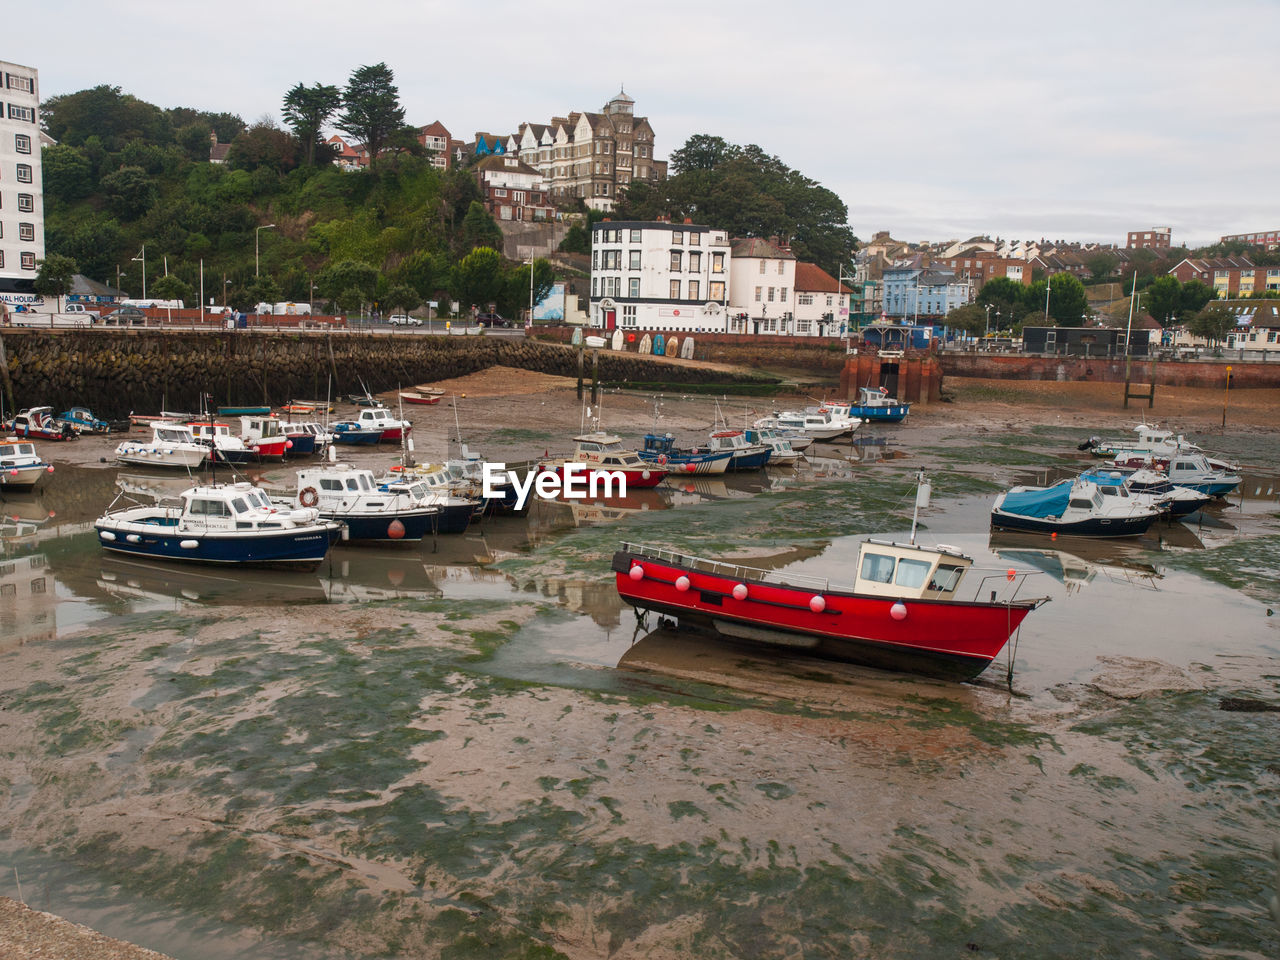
<point x="365" y="482"/>
<point x="239" y="505"/>
<point x="1082" y="504"/>
<point x="419" y="490"/>
<point x="911" y="573"/>
<point x="946" y="578"/>
<point x="352" y="485"/>
<point x="328" y="483"/>
<point x="208" y="508"/>
<point x="589" y="447"/>
<point x="176" y="436"/>
<point x="877" y="567"/>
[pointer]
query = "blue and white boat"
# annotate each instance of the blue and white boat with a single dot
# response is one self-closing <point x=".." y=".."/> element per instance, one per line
<point x="436" y="486"/>
<point x="351" y="432"/>
<point x="876" y="405"/>
<point x="1071" y="508"/>
<point x="371" y="514"/>
<point x="21" y="468"/>
<point x="84" y="419"/>
<point x="662" y="450"/>
<point x="1174" y="500"/>
<point x="782" y="453"/>
<point x="744" y="455"/>
<point x="1196" y="472"/>
<point x="234" y="524"/>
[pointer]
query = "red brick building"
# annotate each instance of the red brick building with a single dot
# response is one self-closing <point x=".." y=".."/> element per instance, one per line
<point x="1263" y="238"/>
<point x="1157" y="238"/>
<point x="979" y="266"/>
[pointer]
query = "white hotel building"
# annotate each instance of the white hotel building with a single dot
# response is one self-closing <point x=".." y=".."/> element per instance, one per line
<point x="659" y="276"/>
<point x="21" y="194"/>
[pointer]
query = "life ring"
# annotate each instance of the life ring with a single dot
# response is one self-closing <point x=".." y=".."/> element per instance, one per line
<point x="397" y="468"/>
<point x="308" y="497"/>
<point x="662" y="459"/>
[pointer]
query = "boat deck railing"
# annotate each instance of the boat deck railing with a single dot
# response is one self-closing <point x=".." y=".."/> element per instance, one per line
<point x="732" y="570"/>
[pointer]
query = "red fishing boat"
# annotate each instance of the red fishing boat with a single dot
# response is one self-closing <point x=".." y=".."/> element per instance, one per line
<point x="38" y="423"/>
<point x="902" y="611"/>
<point x="603" y="454"/>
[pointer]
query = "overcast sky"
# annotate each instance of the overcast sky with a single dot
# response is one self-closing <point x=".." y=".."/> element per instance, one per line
<point x="932" y="120"/>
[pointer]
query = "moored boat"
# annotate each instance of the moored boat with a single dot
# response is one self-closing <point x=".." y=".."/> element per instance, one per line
<point x="21" y="467"/>
<point x="902" y="612"/>
<point x="224" y="446"/>
<point x="371" y="514"/>
<point x="390" y="428"/>
<point x="744" y="455"/>
<point x="261" y="433"/>
<point x="39" y="423"/>
<point x="663" y="452"/>
<point x="233" y="524"/>
<point x="1141" y="482"/>
<point x="875" y="405"/>
<point x="1072" y="507"/>
<point x="352" y="433"/>
<point x="84" y="420"/>
<point x="171" y="446"/>
<point x="422" y="397"/>
<point x="603" y="454"/>
<point x="781" y="451"/>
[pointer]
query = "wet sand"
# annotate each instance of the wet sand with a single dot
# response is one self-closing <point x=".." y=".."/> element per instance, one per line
<point x="592" y="810"/>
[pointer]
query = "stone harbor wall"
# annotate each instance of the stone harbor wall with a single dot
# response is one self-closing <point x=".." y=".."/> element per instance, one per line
<point x="115" y="372"/>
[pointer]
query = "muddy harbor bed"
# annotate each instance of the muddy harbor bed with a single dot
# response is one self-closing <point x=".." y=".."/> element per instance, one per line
<point x="467" y="750"/>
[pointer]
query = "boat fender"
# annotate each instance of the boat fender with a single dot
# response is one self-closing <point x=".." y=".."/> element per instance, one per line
<point x="644" y="474"/>
<point x="133" y="538"/>
<point x="682" y="583"/>
<point x="308" y="497"/>
<point x="690" y="467"/>
<point x="636" y="572"/>
<point x="740" y="591"/>
<point x="189" y="544"/>
<point x="817" y="603"/>
<point x="106" y="535"/>
<point x="898" y="611"/>
<point x="49" y="469"/>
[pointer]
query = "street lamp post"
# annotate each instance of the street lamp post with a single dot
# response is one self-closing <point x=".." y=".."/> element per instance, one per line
<point x="143" y="257"/>
<point x="989" y="318"/>
<point x="256" y="232"/>
<point x="1048" y="285"/>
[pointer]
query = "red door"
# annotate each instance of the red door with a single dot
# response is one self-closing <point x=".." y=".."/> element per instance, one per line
<point x="610" y="319"/>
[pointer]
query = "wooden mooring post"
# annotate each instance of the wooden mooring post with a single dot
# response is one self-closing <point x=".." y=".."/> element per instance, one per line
<point x="1131" y="394"/>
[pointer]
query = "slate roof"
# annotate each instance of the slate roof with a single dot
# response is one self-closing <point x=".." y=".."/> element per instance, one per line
<point x="760" y="248"/>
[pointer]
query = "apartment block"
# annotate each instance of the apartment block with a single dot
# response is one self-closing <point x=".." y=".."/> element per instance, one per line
<point x="21" y="193"/>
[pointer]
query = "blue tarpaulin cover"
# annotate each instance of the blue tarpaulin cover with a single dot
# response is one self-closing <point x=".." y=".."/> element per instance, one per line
<point x="1038" y="502"/>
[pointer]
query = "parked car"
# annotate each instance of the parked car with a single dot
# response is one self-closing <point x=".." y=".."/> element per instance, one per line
<point x="492" y="320"/>
<point x="404" y="320"/>
<point x="79" y="309"/>
<point x="126" y="317"/>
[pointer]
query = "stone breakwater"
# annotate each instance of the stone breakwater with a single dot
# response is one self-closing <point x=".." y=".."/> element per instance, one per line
<point x="117" y="372"/>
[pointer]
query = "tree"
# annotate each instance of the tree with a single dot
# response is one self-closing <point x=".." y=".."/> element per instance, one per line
<point x="701" y="152"/>
<point x="403" y="296"/>
<point x="477" y="279"/>
<point x="68" y="175"/>
<point x="1002" y="294"/>
<point x="1101" y="264"/>
<point x="1195" y="295"/>
<point x="371" y="109"/>
<point x="105" y="112"/>
<point x="1213" y="323"/>
<point x="971" y="318"/>
<point x="264" y="145"/>
<point x="129" y="192"/>
<point x="1164" y="299"/>
<point x="479" y="229"/>
<point x="307" y="110"/>
<point x="335" y="280"/>
<point x="518" y="291"/>
<point x="170" y="287"/>
<point x="1068" y="303"/>
<point x="264" y="289"/>
<point x="350" y="299"/>
<point x="575" y="240"/>
<point x="53" y="278"/>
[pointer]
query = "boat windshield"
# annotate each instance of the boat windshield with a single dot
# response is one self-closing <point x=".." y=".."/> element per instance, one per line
<point x="172" y="435"/>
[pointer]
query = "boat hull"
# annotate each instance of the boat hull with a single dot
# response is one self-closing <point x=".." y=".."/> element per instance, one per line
<point x="678" y="464"/>
<point x="414" y="525"/>
<point x="1097" y="527"/>
<point x="749" y="461"/>
<point x="22" y="478"/>
<point x="891" y="414"/>
<point x="166" y="459"/>
<point x="303" y="548"/>
<point x="357" y="437"/>
<point x="304" y="444"/>
<point x="944" y="638"/>
<point x="421" y="399"/>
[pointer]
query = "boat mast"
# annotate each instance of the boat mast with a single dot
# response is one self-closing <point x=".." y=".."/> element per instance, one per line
<point x="923" y="489"/>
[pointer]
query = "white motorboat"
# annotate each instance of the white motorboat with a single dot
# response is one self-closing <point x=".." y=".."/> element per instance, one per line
<point x="21" y="468"/>
<point x="172" y="445"/>
<point x="1071" y="507"/>
<point x="371" y="513"/>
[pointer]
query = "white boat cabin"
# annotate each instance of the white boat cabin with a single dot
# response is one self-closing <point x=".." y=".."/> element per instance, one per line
<point x="904" y="571"/>
<point x="260" y="428"/>
<point x="237" y="506"/>
<point x="734" y="441"/>
<point x="606" y="450"/>
<point x="379" y="418"/>
<point x="18" y="453"/>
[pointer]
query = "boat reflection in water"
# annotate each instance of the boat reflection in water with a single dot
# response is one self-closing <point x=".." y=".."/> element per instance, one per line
<point x="1085" y="560"/>
<point x="546" y="516"/>
<point x="347" y="576"/>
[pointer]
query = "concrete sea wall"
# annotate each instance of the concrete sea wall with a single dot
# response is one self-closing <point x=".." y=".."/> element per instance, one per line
<point x="116" y="372"/>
